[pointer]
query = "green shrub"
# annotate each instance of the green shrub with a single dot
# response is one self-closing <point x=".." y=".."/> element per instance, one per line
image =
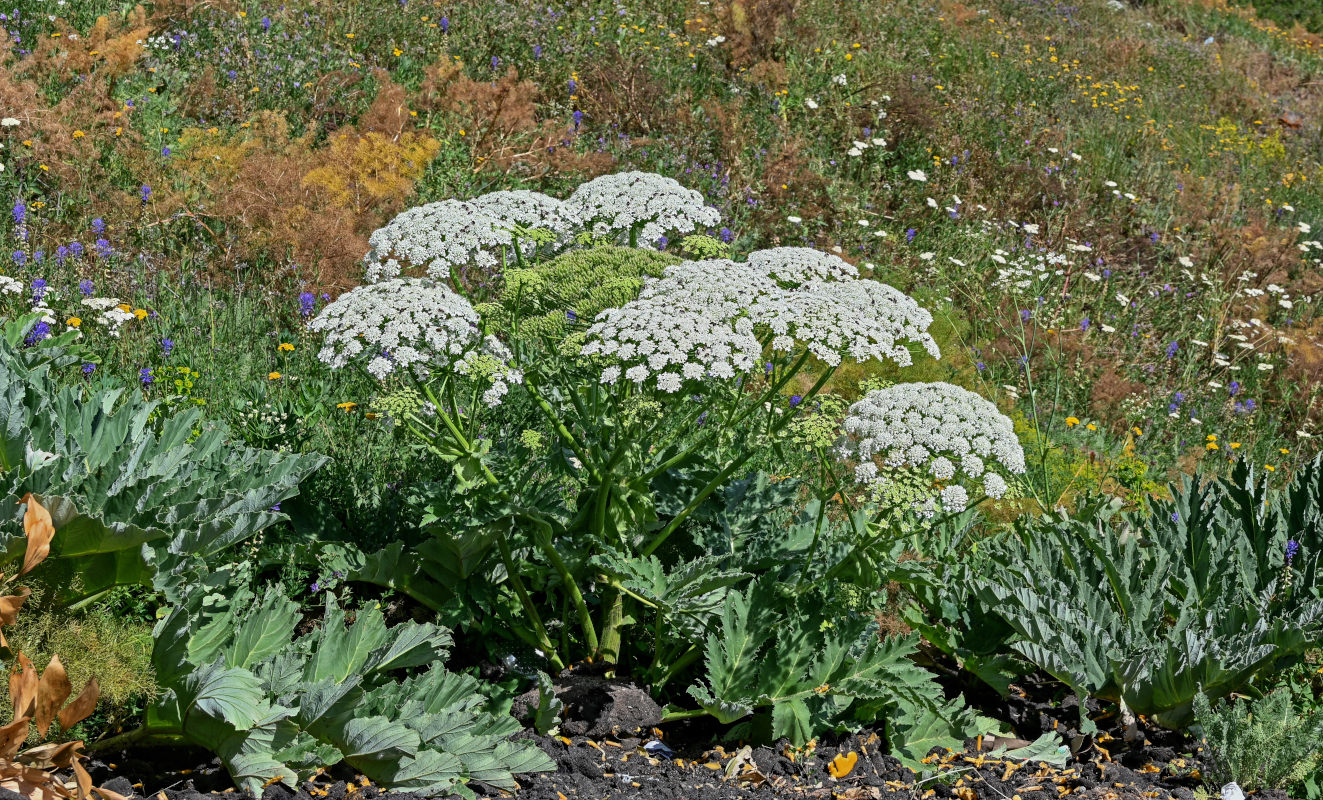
<point x="1260" y="744"/>
<point x="1215" y="591"/>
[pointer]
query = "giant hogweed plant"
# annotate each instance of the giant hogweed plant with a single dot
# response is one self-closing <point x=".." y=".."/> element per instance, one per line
<point x="595" y="405"/>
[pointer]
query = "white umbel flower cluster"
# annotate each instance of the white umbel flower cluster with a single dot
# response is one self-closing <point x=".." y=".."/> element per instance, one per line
<point x="398" y="324"/>
<point x="614" y="205"/>
<point x="863" y="319"/>
<point x="811" y="303"/>
<point x="950" y="432"/>
<point x="652" y="337"/>
<point x="436" y="237"/>
<point x="109" y="313"/>
<point x="528" y="210"/>
<point x="796" y="265"/>
<point x="717" y="284"/>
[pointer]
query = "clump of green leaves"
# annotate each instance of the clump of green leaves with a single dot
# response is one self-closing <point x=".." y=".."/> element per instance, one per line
<point x="797" y="673"/>
<point x="1260" y="744"/>
<point x="1212" y="592"/>
<point x="274" y="706"/>
<point x="133" y="492"/>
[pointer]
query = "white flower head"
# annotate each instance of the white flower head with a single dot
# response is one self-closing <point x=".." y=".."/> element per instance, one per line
<point x="800" y="264"/>
<point x="863" y="319"/>
<point x="655" y="337"/>
<point x="528" y="210"/>
<point x="951" y="433"/>
<point x="649" y="205"/>
<point x="437" y="237"/>
<point x="397" y="324"/>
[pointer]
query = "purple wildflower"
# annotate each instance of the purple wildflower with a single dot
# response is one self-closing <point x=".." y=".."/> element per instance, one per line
<point x="39" y="332"/>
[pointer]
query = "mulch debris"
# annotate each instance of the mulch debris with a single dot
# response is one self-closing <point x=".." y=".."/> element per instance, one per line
<point x="636" y="768"/>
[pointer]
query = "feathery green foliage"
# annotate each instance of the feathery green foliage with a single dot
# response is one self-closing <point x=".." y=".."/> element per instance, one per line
<point x="581" y="283"/>
<point x="1260" y="744"/>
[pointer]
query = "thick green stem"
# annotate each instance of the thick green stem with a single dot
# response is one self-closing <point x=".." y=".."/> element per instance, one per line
<point x="678" y="666"/>
<point x="137" y="737"/>
<point x="559" y="426"/>
<point x="540" y="630"/>
<point x="726" y="473"/>
<point x="608" y="652"/>
<point x="571" y="586"/>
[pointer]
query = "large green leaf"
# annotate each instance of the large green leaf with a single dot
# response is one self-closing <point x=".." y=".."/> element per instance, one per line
<point x="276" y="706"/>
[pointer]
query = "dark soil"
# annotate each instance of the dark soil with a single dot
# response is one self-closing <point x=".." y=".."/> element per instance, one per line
<point x="613" y="748"/>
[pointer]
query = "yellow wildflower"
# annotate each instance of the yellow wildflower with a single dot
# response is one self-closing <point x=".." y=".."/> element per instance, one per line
<point x="1072" y="422"/>
<point x="286" y="347"/>
<point x="348" y="406"/>
<point x="273" y="376"/>
<point x="140" y="313"/>
<point x="74" y="322"/>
